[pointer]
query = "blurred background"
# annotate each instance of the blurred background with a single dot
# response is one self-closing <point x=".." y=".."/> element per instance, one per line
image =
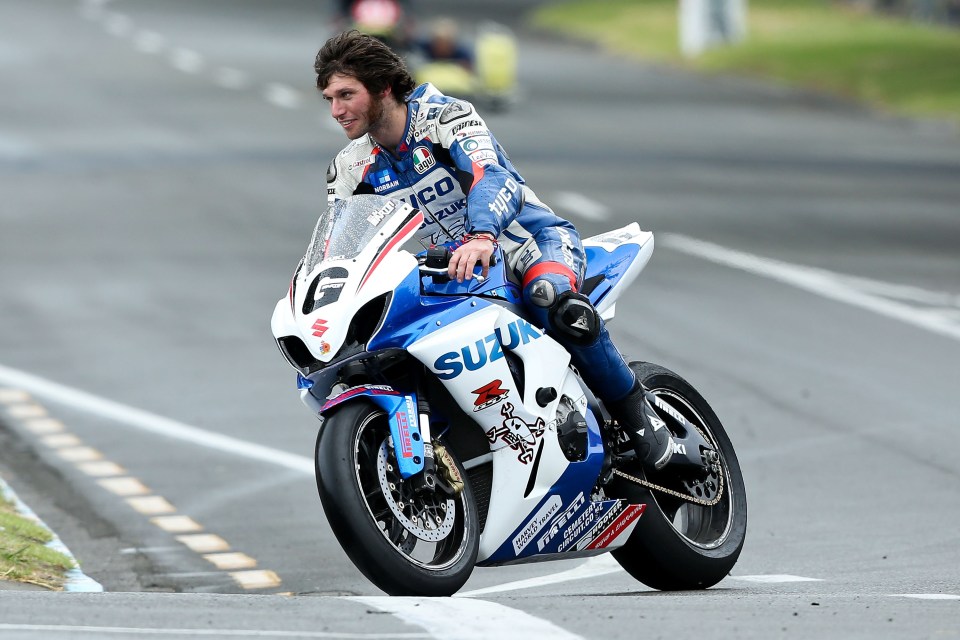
<point x="162" y="165"/>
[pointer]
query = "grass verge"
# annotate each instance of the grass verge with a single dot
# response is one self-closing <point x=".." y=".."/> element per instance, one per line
<point x="23" y="554"/>
<point x="888" y="63"/>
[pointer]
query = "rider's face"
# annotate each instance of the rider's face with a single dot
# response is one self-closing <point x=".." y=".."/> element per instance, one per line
<point x="352" y="106"/>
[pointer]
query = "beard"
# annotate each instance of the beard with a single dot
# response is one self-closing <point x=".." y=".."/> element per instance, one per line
<point x="375" y="114"/>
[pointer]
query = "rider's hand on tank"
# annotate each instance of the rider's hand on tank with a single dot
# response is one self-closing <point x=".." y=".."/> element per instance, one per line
<point x="466" y="257"/>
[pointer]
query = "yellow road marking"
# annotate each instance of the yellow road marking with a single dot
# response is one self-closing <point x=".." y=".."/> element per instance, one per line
<point x="177" y="524"/>
<point x="151" y="505"/>
<point x="43" y="426"/>
<point x="23" y="411"/>
<point x="13" y="396"/>
<point x="216" y="550"/>
<point x="58" y="440"/>
<point x="126" y="486"/>
<point x="101" y="468"/>
<point x="234" y="560"/>
<point x="257" y="579"/>
<point x="79" y="454"/>
<point x="204" y="542"/>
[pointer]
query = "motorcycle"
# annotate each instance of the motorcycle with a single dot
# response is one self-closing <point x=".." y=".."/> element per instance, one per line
<point x="455" y="433"/>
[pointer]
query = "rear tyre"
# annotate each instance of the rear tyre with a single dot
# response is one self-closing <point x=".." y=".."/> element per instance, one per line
<point x="678" y="544"/>
<point x="407" y="544"/>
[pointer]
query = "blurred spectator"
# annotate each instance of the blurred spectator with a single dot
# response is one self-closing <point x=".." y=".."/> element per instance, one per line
<point x="444" y="44"/>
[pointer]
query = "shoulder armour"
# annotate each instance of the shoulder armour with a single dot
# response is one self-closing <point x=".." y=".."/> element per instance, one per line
<point x="454" y="110"/>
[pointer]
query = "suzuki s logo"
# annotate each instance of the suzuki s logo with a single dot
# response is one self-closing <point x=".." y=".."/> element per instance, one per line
<point x="320" y="327"/>
<point x="488" y="349"/>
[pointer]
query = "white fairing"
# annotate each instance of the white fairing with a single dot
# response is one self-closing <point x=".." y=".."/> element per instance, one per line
<point x="630" y="234"/>
<point x="355" y="280"/>
<point x="514" y="426"/>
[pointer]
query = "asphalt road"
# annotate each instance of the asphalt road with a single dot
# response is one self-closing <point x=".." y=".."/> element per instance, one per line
<point x="161" y="168"/>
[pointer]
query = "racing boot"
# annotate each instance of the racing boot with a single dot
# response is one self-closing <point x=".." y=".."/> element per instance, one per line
<point x="651" y="439"/>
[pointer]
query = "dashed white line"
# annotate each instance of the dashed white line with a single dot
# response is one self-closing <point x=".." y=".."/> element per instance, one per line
<point x="927" y="596"/>
<point x="581" y="206"/>
<point x="149" y="42"/>
<point x="282" y="96"/>
<point x="230" y="78"/>
<point x="118" y="24"/>
<point x="186" y="60"/>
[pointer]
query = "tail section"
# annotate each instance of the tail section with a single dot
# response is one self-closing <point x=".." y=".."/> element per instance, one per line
<point x="614" y="259"/>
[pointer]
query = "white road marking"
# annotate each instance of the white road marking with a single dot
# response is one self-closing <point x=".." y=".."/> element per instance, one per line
<point x="927" y="596"/>
<point x="80" y="400"/>
<point x="281" y="95"/>
<point x="186" y="60"/>
<point x="467" y="619"/>
<point x="824" y="283"/>
<point x="775" y="578"/>
<point x="118" y="25"/>
<point x="230" y="78"/>
<point x="226" y="633"/>
<point x="581" y="206"/>
<point x="599" y="566"/>
<point x="149" y="42"/>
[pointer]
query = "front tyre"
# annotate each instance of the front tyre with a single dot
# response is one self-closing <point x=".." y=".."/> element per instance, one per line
<point x="408" y="544"/>
<point x="678" y="544"/>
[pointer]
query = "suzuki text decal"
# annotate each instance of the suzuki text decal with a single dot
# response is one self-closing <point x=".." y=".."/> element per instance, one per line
<point x="488" y="349"/>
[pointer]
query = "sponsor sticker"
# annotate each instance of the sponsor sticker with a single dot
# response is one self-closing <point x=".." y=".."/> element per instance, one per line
<point x="364" y="162"/>
<point x="378" y="216"/>
<point x="423" y="160"/>
<point x="489" y="395"/>
<point x="536" y="523"/>
<point x="516" y="434"/>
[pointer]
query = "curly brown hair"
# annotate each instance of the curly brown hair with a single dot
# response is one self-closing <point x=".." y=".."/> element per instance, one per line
<point x="367" y="59"/>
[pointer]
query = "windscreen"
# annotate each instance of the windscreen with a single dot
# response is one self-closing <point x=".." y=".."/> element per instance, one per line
<point x="347" y="227"/>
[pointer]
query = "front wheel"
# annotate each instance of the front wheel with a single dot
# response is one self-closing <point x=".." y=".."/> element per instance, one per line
<point x="406" y="543"/>
<point x="681" y="544"/>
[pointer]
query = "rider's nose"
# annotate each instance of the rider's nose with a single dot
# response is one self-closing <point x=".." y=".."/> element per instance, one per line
<point x="336" y="108"/>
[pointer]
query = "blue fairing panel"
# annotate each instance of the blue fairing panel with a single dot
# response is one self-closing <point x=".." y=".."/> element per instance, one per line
<point x="612" y="264"/>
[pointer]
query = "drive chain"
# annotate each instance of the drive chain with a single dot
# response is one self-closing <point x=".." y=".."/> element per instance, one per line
<point x="677" y="494"/>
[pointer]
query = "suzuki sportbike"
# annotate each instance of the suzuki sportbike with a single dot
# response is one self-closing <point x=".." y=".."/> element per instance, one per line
<point x="456" y="433"/>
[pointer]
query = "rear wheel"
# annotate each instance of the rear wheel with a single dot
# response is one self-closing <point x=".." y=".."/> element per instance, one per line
<point x="679" y="544"/>
<point x="406" y="543"/>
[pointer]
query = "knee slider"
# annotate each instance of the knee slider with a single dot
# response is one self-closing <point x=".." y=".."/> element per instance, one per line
<point x="575" y="318"/>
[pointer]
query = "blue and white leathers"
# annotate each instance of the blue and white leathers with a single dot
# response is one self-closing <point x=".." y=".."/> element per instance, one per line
<point x="541" y="502"/>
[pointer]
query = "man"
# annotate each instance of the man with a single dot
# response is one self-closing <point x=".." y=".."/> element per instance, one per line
<point x="436" y="153"/>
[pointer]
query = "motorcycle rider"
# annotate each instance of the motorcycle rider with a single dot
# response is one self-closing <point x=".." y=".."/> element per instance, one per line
<point x="437" y="154"/>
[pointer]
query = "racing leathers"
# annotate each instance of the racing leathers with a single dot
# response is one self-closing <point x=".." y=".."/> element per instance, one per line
<point x="450" y="166"/>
